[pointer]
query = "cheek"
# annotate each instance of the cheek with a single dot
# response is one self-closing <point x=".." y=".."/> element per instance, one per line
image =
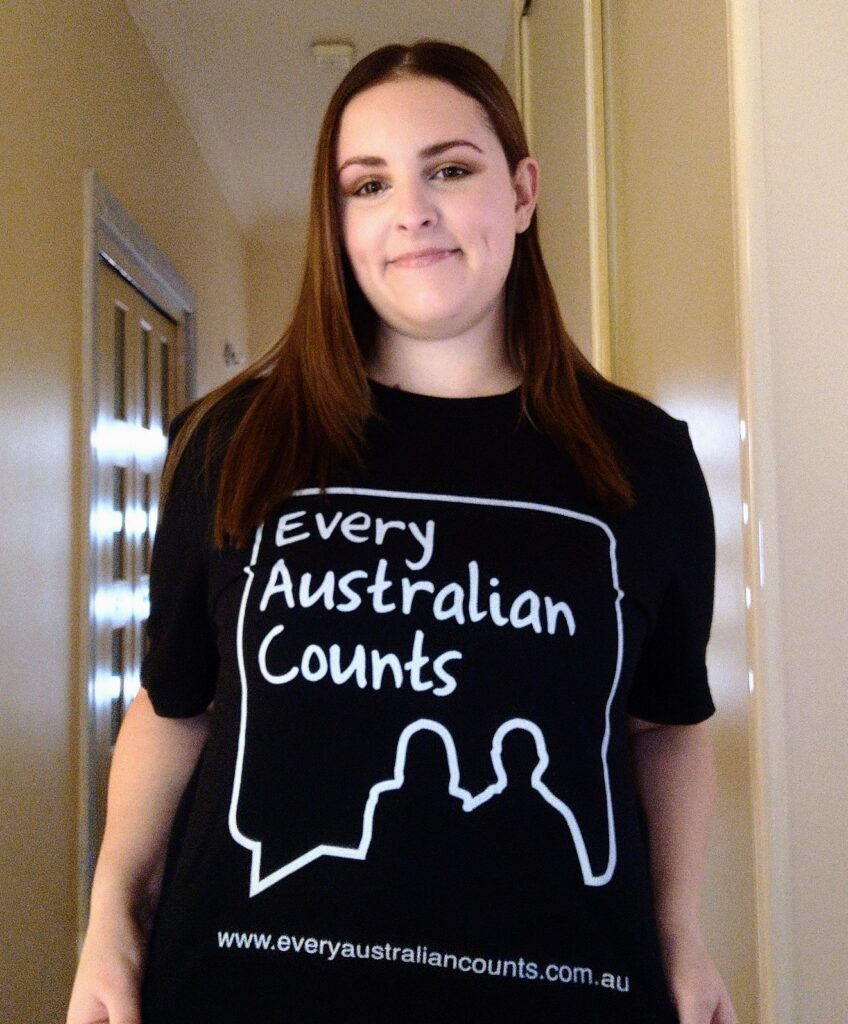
<point x="494" y="222"/>
<point x="348" y="236"/>
<point x="359" y="239"/>
<point x="500" y="244"/>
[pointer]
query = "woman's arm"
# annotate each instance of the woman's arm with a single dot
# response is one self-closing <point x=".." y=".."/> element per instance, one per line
<point x="153" y="761"/>
<point x="675" y="778"/>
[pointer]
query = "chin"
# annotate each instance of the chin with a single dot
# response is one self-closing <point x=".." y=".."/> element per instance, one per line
<point x="436" y="329"/>
<point x="446" y="320"/>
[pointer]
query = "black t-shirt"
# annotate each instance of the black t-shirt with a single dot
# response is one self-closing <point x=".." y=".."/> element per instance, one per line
<point x="416" y="799"/>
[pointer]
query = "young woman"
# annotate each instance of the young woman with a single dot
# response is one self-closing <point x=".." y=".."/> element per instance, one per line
<point x="421" y="733"/>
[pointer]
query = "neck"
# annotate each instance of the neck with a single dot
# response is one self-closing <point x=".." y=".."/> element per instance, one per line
<point x="460" y="367"/>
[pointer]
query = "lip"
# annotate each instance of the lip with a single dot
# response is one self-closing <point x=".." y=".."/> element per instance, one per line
<point x="422" y="257"/>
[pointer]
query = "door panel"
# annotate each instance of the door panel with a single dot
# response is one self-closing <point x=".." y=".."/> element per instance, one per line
<point x="138" y="370"/>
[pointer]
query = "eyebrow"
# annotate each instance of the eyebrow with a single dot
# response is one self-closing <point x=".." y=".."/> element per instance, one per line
<point x="424" y="154"/>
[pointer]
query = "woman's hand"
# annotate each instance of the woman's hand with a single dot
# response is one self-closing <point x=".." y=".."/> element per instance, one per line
<point x="153" y="760"/>
<point x="108" y="981"/>
<point x="697" y="991"/>
<point x="675" y="777"/>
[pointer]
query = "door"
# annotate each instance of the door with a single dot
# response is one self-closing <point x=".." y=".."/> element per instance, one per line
<point x="138" y="383"/>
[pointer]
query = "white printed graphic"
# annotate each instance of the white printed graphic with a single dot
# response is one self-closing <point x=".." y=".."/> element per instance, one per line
<point x="458" y="604"/>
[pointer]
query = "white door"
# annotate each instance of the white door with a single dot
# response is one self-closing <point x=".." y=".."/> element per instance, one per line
<point x="138" y="369"/>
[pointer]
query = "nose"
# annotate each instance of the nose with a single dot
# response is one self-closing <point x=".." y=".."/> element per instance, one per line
<point x="415" y="207"/>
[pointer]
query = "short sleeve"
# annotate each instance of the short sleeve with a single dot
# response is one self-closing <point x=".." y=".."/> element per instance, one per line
<point x="180" y="667"/>
<point x="670" y="684"/>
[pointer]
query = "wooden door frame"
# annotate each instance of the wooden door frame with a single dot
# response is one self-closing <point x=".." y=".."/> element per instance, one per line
<point x="596" y="161"/>
<point x="767" y="728"/>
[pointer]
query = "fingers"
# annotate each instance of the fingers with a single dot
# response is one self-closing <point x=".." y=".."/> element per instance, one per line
<point x="715" y="1010"/>
<point x="119" y="1007"/>
<point x="124" y="1009"/>
<point x="724" y="1013"/>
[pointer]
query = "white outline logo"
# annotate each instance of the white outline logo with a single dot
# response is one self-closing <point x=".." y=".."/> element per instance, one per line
<point x="259" y="883"/>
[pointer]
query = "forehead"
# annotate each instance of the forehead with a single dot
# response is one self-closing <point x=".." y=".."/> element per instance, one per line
<point x="410" y="113"/>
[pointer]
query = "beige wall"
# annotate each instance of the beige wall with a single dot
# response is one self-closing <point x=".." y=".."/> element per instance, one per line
<point x="802" y="249"/>
<point x="558" y="138"/>
<point x="675" y="341"/>
<point x="77" y="90"/>
<point x="275" y="265"/>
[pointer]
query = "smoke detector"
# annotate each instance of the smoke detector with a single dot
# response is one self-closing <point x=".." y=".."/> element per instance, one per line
<point x="333" y="54"/>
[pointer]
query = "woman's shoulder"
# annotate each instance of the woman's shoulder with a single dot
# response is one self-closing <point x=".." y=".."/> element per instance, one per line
<point x="207" y="417"/>
<point x="654" y="447"/>
<point x="631" y="418"/>
<point x="204" y="428"/>
<point x="198" y="439"/>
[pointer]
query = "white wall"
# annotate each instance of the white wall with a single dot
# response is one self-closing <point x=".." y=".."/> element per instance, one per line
<point x="804" y="252"/>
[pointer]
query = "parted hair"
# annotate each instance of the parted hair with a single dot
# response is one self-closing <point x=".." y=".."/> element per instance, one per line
<point x="304" y="404"/>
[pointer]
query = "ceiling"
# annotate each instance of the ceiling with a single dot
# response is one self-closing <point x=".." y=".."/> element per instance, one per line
<point x="247" y="84"/>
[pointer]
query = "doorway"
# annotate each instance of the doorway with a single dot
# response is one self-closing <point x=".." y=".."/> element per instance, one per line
<point x="137" y="374"/>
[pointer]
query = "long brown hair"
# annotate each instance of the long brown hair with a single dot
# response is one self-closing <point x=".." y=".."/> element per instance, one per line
<point x="310" y="398"/>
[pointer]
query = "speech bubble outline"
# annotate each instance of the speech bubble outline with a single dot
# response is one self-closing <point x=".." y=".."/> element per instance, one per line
<point x="259" y="883"/>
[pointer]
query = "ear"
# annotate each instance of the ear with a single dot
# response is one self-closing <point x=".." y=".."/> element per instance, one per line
<point x="525" y="184"/>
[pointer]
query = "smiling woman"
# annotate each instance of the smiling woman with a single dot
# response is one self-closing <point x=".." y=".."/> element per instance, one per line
<point x="449" y="211"/>
<point x="425" y="377"/>
<point x="313" y="385"/>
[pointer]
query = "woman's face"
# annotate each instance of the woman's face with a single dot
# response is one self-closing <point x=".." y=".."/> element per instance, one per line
<point x="429" y="209"/>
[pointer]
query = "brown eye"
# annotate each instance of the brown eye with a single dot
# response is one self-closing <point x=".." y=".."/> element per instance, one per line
<point x="365" y="188"/>
<point x="453" y="171"/>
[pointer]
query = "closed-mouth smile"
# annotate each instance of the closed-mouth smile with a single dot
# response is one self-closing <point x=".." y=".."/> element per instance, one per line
<point x="422" y="257"/>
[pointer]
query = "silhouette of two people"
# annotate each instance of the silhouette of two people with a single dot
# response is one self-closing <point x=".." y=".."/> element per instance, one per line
<point x="511" y="858"/>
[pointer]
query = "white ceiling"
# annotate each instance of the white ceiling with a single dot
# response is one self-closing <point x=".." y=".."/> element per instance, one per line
<point x="245" y="79"/>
